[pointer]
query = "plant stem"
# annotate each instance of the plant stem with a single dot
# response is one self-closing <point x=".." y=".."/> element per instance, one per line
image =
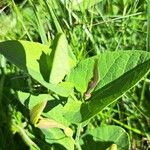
<point x="143" y="93"/>
<point x="77" y="138"/>
<point x="24" y="136"/>
<point x="128" y="127"/>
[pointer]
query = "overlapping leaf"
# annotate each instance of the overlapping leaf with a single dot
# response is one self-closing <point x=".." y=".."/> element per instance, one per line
<point x="35" y="59"/>
<point x="60" y="59"/>
<point x="104" y="136"/>
<point x="56" y="136"/>
<point x="54" y="126"/>
<point x="118" y="72"/>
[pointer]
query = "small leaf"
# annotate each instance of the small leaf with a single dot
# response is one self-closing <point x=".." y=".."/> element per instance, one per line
<point x="37" y="111"/>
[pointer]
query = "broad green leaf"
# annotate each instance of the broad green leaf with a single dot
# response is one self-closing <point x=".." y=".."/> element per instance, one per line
<point x="72" y="111"/>
<point x="118" y="72"/>
<point x="24" y="54"/>
<point x="56" y="136"/>
<point x="60" y="56"/>
<point x="34" y="59"/>
<point x="105" y="136"/>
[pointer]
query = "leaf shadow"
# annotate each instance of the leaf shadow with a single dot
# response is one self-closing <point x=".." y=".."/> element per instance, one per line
<point x="90" y="143"/>
<point x="53" y="103"/>
<point x="14" y="47"/>
<point x="45" y="65"/>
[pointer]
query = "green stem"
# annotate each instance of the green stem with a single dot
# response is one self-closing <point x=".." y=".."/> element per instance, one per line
<point x="77" y="138"/>
<point x="24" y="136"/>
<point x="128" y="127"/>
<point x="143" y="92"/>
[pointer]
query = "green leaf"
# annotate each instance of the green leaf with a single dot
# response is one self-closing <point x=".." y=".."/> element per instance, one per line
<point x="118" y="72"/>
<point x="56" y="136"/>
<point x="60" y="56"/>
<point x="24" y="54"/>
<point x="106" y="135"/>
<point x="32" y="57"/>
<point x="53" y="109"/>
<point x="30" y="101"/>
<point x="82" y="74"/>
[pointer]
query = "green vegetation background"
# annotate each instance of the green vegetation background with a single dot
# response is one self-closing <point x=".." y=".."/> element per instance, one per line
<point x="107" y="26"/>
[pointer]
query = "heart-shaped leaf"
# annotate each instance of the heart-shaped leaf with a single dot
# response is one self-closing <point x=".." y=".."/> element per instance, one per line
<point x="106" y="136"/>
